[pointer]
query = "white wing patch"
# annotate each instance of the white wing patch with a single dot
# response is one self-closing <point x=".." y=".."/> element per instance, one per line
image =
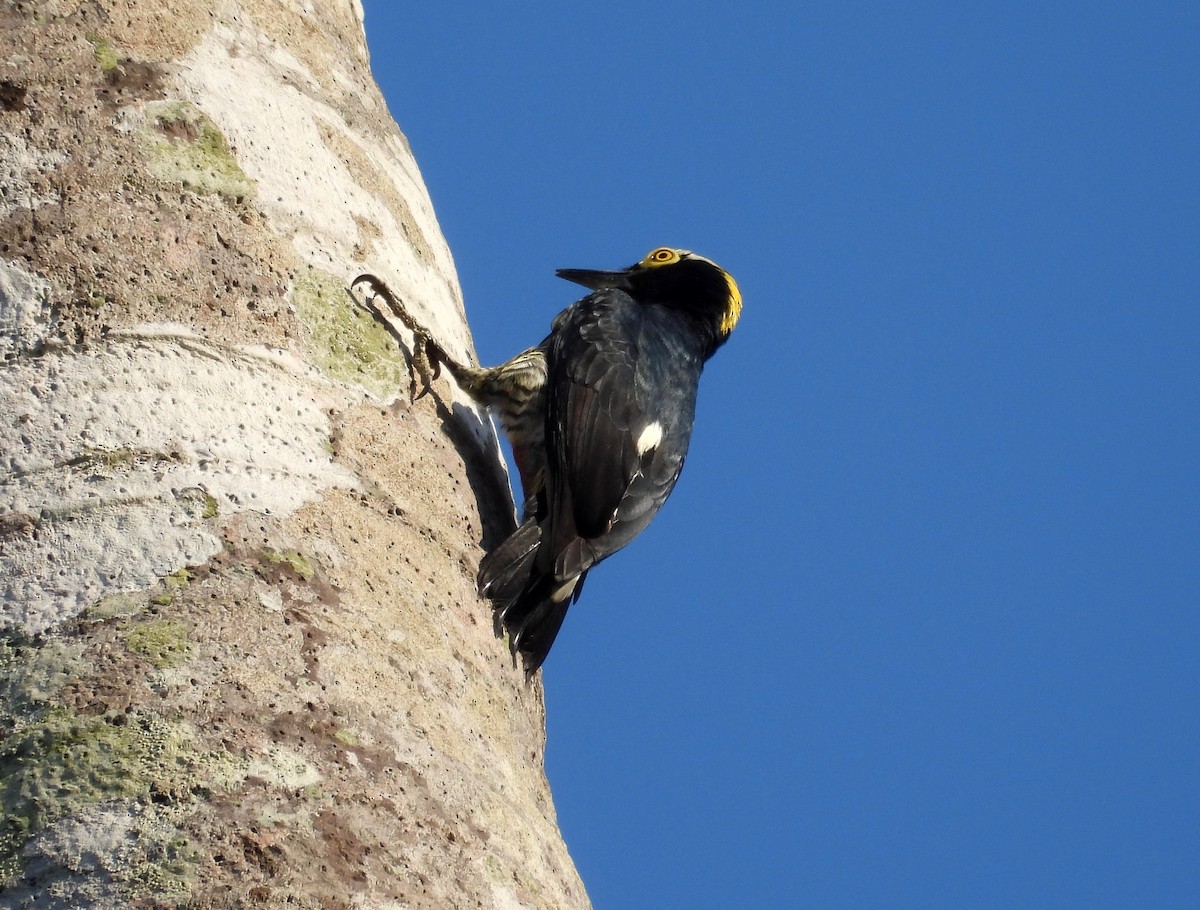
<point x="649" y="438"/>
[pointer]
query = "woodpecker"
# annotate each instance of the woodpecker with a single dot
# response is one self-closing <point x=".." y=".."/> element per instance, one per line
<point x="599" y="416"/>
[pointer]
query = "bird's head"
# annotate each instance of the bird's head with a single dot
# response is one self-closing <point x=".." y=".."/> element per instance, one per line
<point x="674" y="278"/>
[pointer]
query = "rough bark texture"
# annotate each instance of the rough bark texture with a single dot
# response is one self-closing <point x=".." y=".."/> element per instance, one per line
<point x="242" y="660"/>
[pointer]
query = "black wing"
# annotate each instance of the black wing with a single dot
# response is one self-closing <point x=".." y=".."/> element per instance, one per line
<point x="622" y="396"/>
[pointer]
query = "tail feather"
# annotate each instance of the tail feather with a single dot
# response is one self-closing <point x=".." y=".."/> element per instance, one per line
<point x="510" y="568"/>
<point x="529" y="603"/>
<point x="534" y="620"/>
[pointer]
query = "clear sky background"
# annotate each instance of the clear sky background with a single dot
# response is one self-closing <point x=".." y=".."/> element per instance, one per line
<point x="920" y="626"/>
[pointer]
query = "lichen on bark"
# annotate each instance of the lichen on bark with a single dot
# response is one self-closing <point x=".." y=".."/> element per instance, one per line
<point x="242" y="659"/>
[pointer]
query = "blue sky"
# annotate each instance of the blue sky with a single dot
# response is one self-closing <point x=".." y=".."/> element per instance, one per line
<point x="920" y="626"/>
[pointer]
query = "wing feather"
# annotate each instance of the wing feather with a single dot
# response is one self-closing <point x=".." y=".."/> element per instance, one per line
<point x="615" y="368"/>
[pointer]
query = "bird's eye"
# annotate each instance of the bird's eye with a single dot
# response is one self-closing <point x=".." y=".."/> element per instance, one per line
<point x="664" y="255"/>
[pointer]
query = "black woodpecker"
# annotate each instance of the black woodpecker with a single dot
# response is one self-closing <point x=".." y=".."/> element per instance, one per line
<point x="599" y="416"/>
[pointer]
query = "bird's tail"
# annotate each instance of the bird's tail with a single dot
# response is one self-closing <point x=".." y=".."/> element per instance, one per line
<point x="529" y="602"/>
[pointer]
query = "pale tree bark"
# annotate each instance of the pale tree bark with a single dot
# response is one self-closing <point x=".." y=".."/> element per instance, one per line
<point x="242" y="660"/>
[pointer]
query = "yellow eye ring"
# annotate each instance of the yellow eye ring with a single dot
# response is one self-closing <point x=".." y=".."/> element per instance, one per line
<point x="664" y="255"/>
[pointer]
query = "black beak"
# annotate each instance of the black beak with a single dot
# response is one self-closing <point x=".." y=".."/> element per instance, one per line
<point x="595" y="279"/>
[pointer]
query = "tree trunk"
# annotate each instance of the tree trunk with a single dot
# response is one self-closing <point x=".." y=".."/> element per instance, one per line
<point x="243" y="661"/>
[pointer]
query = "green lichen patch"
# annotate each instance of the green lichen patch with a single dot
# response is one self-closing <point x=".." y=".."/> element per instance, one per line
<point x="345" y="737"/>
<point x="103" y="51"/>
<point x="297" y="562"/>
<point x="210" y="507"/>
<point x="347" y="344"/>
<point x="32" y="672"/>
<point x="183" y="145"/>
<point x="165" y="861"/>
<point x="99" y="458"/>
<point x="172" y="585"/>
<point x="108" y="462"/>
<point x="64" y="763"/>
<point x="163" y="642"/>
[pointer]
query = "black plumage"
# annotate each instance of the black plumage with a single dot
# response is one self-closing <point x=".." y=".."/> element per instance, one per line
<point x="622" y="369"/>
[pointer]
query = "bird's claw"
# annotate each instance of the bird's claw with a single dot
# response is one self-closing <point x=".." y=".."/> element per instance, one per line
<point x="427" y="355"/>
<point x="425" y="368"/>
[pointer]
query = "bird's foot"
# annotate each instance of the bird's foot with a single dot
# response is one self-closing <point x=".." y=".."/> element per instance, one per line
<point x="427" y="354"/>
<point x="427" y="359"/>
